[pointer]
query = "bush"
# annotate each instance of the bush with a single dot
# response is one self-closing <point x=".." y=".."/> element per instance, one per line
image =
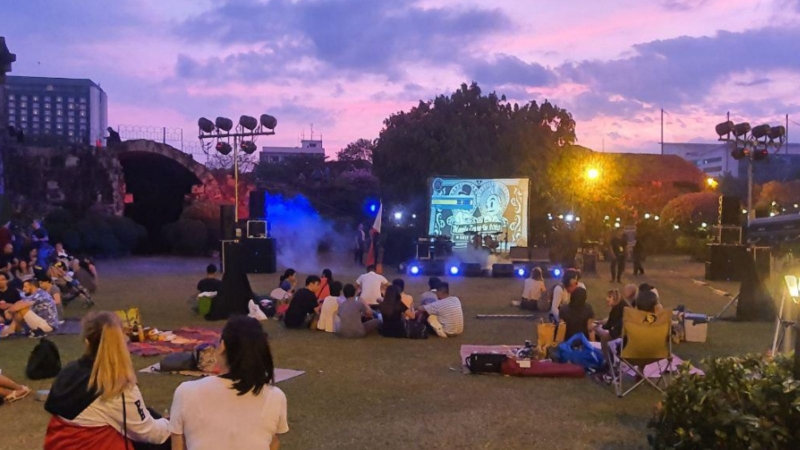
<point x="186" y="237"/>
<point x="695" y="247"/>
<point x="748" y="402"/>
<point x="127" y="232"/>
<point x="95" y="234"/>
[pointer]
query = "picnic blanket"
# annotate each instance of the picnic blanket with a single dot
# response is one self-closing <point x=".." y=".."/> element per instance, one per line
<point x="187" y="339"/>
<point x="280" y="374"/>
<point x="70" y="326"/>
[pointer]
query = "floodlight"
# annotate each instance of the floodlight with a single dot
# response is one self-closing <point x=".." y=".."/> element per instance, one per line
<point x="414" y="270"/>
<point x="249" y="147"/>
<point x="556" y="272"/>
<point x="453" y="270"/>
<point x="224" y="148"/>
<point x="760" y="154"/>
<point x="794" y="290"/>
<point x="777" y="132"/>
<point x="224" y="124"/>
<point x="724" y="128"/>
<point x="740" y="129"/>
<point x="521" y="273"/>
<point x="268" y="121"/>
<point x="248" y="122"/>
<point x="206" y="126"/>
<point x="761" y="131"/>
<point x="398" y="215"/>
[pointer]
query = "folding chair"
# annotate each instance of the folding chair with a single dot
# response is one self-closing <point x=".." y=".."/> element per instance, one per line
<point x="645" y="340"/>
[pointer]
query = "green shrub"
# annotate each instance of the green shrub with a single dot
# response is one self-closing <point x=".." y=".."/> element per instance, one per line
<point x="741" y="403"/>
<point x="695" y="247"/>
<point x="128" y="233"/>
<point x="186" y="237"/>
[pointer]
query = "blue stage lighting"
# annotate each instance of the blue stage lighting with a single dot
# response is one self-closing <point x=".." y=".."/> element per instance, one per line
<point x="520" y="273"/>
<point x="556" y="272"/>
<point x="414" y="270"/>
<point x="453" y="270"/>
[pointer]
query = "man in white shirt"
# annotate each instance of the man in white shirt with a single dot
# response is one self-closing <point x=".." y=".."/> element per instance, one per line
<point x="445" y="315"/>
<point x="371" y="286"/>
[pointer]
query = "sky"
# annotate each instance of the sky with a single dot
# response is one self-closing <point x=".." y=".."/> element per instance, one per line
<point x="346" y="65"/>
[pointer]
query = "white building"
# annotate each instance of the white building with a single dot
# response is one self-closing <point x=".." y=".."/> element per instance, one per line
<point x="715" y="159"/>
<point x="312" y="147"/>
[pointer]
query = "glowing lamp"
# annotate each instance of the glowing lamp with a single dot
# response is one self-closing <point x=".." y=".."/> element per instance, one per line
<point x="453" y="270"/>
<point x="398" y="215"/>
<point x="556" y="272"/>
<point x="592" y="174"/>
<point x="414" y="270"/>
<point x="791" y="285"/>
<point x="520" y="273"/>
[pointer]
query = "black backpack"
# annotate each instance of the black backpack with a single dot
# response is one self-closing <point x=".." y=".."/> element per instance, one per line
<point x="44" y="362"/>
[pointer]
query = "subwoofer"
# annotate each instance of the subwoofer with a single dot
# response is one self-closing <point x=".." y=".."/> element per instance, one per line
<point x="726" y="262"/>
<point x="502" y="270"/>
<point x="730" y="210"/>
<point x="259" y="255"/>
<point x="258" y="205"/>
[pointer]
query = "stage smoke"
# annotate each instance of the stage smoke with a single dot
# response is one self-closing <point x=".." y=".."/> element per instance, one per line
<point x="301" y="233"/>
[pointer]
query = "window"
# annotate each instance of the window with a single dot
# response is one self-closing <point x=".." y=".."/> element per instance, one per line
<point x="24" y="119"/>
<point x="24" y="98"/>
<point x="59" y="113"/>
<point x="713" y="169"/>
<point x="23" y="104"/>
<point x="59" y="106"/>
<point x="71" y="127"/>
<point x="83" y="99"/>
<point x="83" y="127"/>
<point x="47" y="119"/>
<point x="59" y="120"/>
<point x="71" y="120"/>
<point x="47" y="128"/>
<point x="83" y="107"/>
<point x="72" y="99"/>
<point x="36" y="119"/>
<point x="83" y="119"/>
<point x="71" y="113"/>
<point x="11" y="97"/>
<point x="12" y="111"/>
<point x="23" y="112"/>
<point x="59" y="127"/>
<point x="47" y="106"/>
<point x="47" y="98"/>
<point x="59" y="99"/>
<point x="72" y="106"/>
<point x="712" y="160"/>
<point x="35" y="111"/>
<point x="35" y="98"/>
<point x="83" y="113"/>
<point x="11" y="104"/>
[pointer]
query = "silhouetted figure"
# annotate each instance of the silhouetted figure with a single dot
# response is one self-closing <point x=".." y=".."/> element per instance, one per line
<point x="236" y="292"/>
<point x="113" y="137"/>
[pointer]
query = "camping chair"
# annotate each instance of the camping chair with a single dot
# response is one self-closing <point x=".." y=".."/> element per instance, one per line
<point x="645" y="340"/>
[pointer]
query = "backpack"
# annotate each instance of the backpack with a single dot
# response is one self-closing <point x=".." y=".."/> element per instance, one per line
<point x="44" y="362"/>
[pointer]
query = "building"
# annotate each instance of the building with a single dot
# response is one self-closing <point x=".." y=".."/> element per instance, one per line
<point x="715" y="160"/>
<point x="71" y="110"/>
<point x="308" y="147"/>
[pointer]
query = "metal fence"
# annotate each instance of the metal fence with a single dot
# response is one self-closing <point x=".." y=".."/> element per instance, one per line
<point x="166" y="135"/>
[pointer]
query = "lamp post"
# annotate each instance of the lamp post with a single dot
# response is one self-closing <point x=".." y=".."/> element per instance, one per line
<point x="751" y="143"/>
<point x="248" y="127"/>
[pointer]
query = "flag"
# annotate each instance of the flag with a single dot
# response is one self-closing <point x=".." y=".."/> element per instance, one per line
<point x="373" y="232"/>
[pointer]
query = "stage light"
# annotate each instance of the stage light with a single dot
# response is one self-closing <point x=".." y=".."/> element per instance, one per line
<point x="556" y="272"/>
<point x="206" y="126"/>
<point x="521" y="273"/>
<point x="223" y="123"/>
<point x="453" y="270"/>
<point x="724" y="128"/>
<point x="606" y="218"/>
<point x="761" y="131"/>
<point x="760" y="154"/>
<point x="224" y="148"/>
<point x="413" y="270"/>
<point x="248" y="122"/>
<point x="268" y="121"/>
<point x="791" y="284"/>
<point x="740" y="129"/>
<point x="740" y="153"/>
<point x="560" y="216"/>
<point x="398" y="215"/>
<point x="413" y="216"/>
<point x="776" y="132"/>
<point x="249" y="147"/>
<point x="569" y="217"/>
<point x="373" y="208"/>
<point x="712" y="183"/>
<point x="744" y="211"/>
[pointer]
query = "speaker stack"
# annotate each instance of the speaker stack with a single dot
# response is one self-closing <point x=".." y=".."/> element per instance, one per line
<point x="729" y="230"/>
<point x="256" y="251"/>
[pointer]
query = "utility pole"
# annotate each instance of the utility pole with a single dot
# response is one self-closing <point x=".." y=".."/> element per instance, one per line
<point x="662" y="131"/>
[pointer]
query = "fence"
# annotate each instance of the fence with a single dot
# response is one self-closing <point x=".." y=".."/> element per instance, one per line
<point x="166" y="135"/>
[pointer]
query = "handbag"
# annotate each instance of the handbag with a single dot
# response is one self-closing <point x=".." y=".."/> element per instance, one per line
<point x="485" y="362"/>
<point x="549" y="334"/>
<point x="578" y="350"/>
<point x="416" y="329"/>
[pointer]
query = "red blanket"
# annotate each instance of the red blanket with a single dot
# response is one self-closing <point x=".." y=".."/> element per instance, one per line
<point x="195" y="337"/>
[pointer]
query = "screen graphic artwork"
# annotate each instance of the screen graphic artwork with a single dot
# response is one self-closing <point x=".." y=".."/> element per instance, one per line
<point x="459" y="208"/>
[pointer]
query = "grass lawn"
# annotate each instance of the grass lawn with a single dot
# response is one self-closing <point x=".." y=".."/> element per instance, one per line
<point x="402" y="394"/>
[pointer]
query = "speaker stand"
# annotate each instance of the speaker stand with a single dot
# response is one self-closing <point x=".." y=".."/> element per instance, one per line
<point x="734" y="301"/>
<point x="782" y="327"/>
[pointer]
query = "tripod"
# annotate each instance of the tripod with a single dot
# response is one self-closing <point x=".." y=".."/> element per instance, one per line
<point x="782" y="327"/>
<point x="734" y="301"/>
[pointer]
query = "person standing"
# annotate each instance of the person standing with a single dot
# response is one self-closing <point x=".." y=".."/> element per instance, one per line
<point x="361" y="242"/>
<point x="638" y="256"/>
<point x="619" y="245"/>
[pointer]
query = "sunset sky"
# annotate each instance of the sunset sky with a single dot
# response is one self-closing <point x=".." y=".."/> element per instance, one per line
<point x="346" y="65"/>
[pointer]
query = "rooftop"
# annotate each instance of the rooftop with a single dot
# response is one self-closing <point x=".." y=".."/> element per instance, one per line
<point x="16" y="80"/>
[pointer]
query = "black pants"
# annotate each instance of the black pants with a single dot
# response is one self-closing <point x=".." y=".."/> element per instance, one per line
<point x="617" y="268"/>
<point x="637" y="266"/>
<point x="359" y="256"/>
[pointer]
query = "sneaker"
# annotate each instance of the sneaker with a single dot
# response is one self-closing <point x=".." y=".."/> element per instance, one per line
<point x="37" y="334"/>
<point x="440" y="332"/>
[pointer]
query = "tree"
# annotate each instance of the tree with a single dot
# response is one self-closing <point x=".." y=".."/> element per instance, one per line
<point x="471" y="135"/>
<point x="690" y="211"/>
<point x="776" y="196"/>
<point x="358" y="150"/>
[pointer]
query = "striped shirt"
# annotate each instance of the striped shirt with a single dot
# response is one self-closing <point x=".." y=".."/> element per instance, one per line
<point x="448" y="311"/>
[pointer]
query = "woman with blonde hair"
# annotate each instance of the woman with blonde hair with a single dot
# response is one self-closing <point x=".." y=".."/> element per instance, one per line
<point x="94" y="401"/>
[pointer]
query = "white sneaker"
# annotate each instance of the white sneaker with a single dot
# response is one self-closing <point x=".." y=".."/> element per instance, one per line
<point x="440" y="332"/>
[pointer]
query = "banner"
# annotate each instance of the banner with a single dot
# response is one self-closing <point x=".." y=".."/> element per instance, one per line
<point x="461" y="208"/>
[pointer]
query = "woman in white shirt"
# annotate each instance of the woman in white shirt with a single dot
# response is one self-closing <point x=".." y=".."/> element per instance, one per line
<point x="330" y="306"/>
<point x="569" y="282"/>
<point x="239" y="409"/>
<point x="533" y="290"/>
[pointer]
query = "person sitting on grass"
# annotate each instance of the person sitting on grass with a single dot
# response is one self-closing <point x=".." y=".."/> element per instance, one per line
<point x="10" y="391"/>
<point x="533" y="290"/>
<point x="304" y="305"/>
<point x="355" y="319"/>
<point x="371" y="285"/>
<point x="211" y="283"/>
<point x="611" y="328"/>
<point x="48" y="286"/>
<point x="37" y="310"/>
<point x="405" y="298"/>
<point x="647" y="300"/>
<point x="394" y="313"/>
<point x="429" y="296"/>
<point x="562" y="292"/>
<point x="8" y="296"/>
<point x="330" y="305"/>
<point x="445" y="315"/>
<point x="94" y="401"/>
<point x="325" y="285"/>
<point x="577" y="314"/>
<point x="239" y="409"/>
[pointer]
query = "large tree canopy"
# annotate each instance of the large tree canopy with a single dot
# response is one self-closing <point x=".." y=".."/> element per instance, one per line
<point x="468" y="134"/>
<point x="358" y="150"/>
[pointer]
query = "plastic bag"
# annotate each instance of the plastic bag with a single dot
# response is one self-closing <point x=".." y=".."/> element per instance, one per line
<point x="578" y="350"/>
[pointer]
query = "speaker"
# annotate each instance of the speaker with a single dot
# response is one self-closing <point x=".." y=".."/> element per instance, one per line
<point x="227" y="222"/>
<point x="259" y="255"/>
<point x="763" y="258"/>
<point x="726" y="262"/>
<point x="258" y="205"/>
<point x="470" y="269"/>
<point x="755" y="302"/>
<point x="730" y="236"/>
<point x="519" y="254"/>
<point x="502" y="270"/>
<point x="730" y="210"/>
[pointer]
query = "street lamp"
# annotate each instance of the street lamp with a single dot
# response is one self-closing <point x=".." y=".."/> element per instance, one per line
<point x="712" y="183"/>
<point x="592" y="173"/>
<point x="244" y="136"/>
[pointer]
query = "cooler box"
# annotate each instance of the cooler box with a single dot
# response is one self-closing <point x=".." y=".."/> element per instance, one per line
<point x="696" y="327"/>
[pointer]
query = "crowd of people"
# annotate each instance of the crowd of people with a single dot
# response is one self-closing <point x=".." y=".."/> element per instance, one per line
<point x="37" y="280"/>
<point x="370" y="305"/>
